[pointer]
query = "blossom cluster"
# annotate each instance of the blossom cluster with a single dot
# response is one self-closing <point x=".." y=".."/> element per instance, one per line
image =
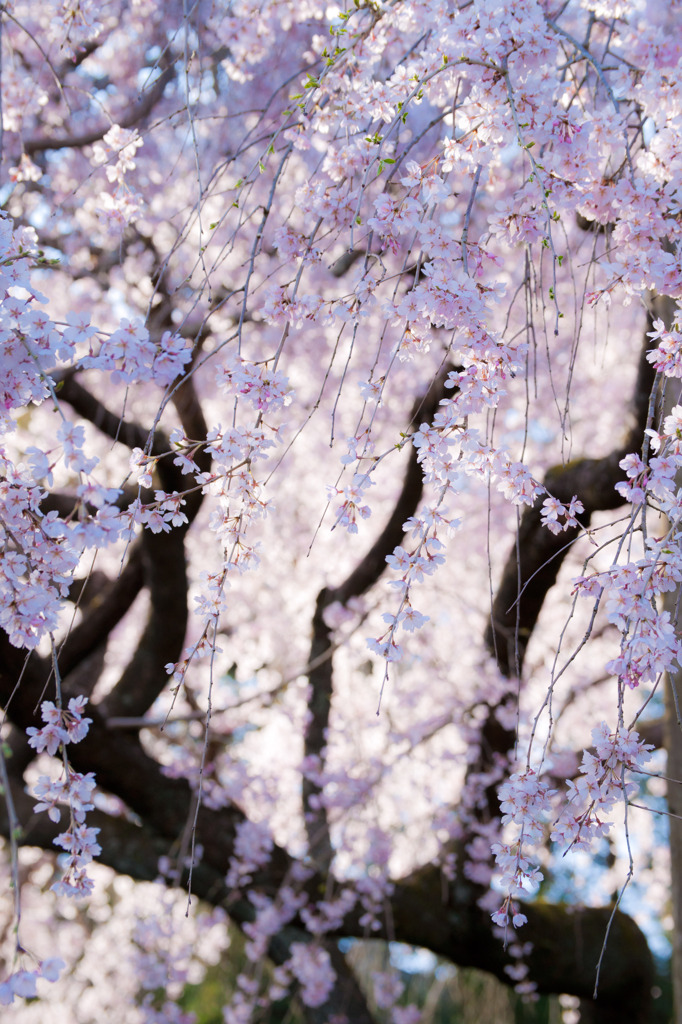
<point x="266" y="389"/>
<point x="252" y="849"/>
<point x="666" y="357"/>
<point x="630" y="590"/>
<point x="74" y="24"/>
<point x="604" y="780"/>
<point x="61" y="726"/>
<point x="64" y="726"/>
<point x="160" y="964"/>
<point x="131" y="357"/>
<point x="74" y="790"/>
<point x="115" y="152"/>
<point x="558" y="517"/>
<point x="37" y="560"/>
<point x="648" y="642"/>
<point x="40" y="551"/>
<point x="525" y="801"/>
<point x="311" y="966"/>
<point x="23" y="983"/>
<point x="308" y="965"/>
<point x="236" y="452"/>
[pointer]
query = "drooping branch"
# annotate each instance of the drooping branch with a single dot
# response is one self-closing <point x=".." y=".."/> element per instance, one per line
<point x="533" y="565"/>
<point x="535" y="560"/>
<point x="373" y="565"/>
<point x="365" y="575"/>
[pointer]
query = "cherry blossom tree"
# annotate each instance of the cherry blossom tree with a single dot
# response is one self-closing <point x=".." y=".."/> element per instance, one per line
<point x="340" y="433"/>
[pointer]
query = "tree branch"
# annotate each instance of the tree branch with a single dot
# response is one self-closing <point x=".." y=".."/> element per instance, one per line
<point x="158" y="563"/>
<point x="534" y="562"/>
<point x="102" y="614"/>
<point x="365" y="575"/>
<point x="82" y="401"/>
<point x="137" y="113"/>
<point x="566" y="944"/>
<point x="162" y="641"/>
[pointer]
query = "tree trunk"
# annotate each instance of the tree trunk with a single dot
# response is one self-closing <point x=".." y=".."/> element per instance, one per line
<point x="673" y="742"/>
<point x="673" y="739"/>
